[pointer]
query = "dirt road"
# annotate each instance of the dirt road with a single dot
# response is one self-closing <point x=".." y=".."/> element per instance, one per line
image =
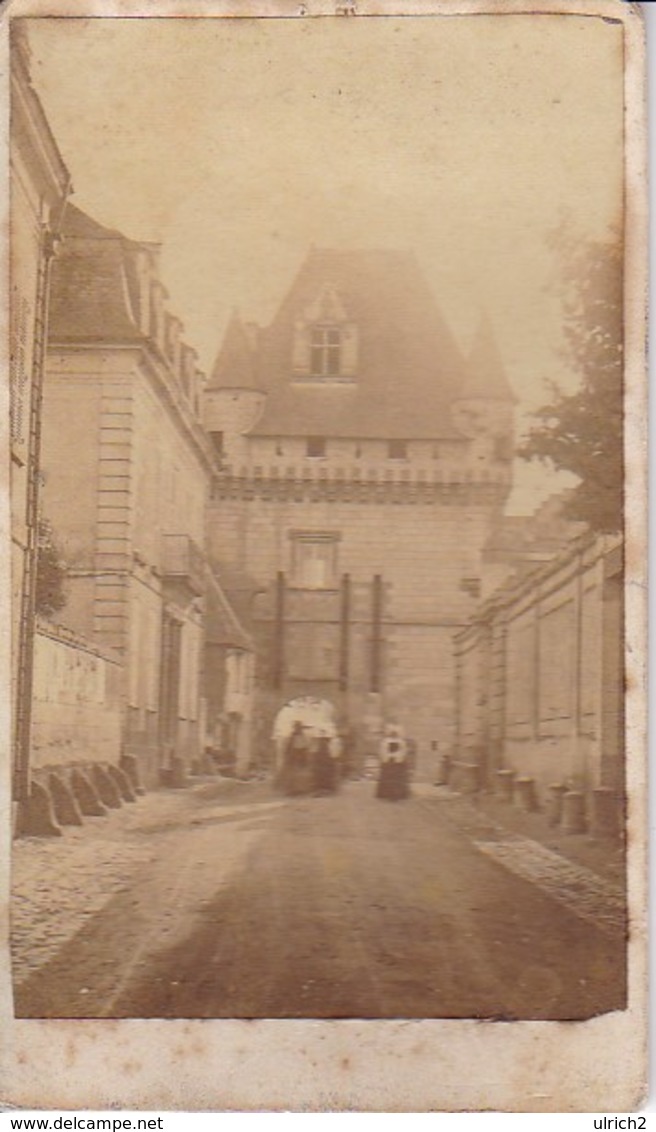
<point x="247" y="904"/>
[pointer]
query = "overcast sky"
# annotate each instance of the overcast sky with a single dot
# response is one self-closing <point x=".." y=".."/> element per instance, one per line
<point x="237" y="143"/>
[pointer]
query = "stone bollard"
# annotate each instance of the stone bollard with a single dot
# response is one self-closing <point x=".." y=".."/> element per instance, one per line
<point x="573" y="812"/>
<point x="177" y="774"/>
<point x="106" y="787"/>
<point x="37" y="816"/>
<point x="129" y="764"/>
<point x="122" y="783"/>
<point x="86" y="795"/>
<point x="454" y="775"/>
<point x="443" y="777"/>
<point x="64" y="802"/>
<point x="607" y="813"/>
<point x="525" y="796"/>
<point x="556" y="794"/>
<point x="505" y="784"/>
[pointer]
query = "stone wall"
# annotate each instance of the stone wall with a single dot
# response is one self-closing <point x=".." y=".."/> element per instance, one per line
<point x="76" y="715"/>
<point x="540" y="676"/>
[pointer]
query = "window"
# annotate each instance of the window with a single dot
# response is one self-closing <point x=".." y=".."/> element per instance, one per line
<point x="325" y="351"/>
<point x="315" y="446"/>
<point x="314" y="561"/>
<point x="397" y="450"/>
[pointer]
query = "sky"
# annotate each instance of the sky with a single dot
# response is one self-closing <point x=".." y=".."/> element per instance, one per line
<point x="236" y="144"/>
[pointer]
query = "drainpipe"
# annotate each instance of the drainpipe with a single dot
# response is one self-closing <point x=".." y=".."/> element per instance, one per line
<point x="50" y="239"/>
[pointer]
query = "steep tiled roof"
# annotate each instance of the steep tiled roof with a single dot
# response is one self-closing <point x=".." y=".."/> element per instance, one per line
<point x="92" y="284"/>
<point x="409" y="368"/>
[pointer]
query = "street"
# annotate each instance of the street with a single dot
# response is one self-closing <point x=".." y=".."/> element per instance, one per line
<point x="229" y="900"/>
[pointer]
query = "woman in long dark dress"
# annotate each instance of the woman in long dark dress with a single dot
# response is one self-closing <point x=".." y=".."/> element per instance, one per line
<point x="297" y="774"/>
<point x="324" y="765"/>
<point x="393" y="775"/>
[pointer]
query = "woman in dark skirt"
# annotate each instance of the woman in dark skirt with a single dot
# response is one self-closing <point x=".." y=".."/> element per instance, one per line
<point x="324" y="765"/>
<point x="393" y="775"/>
<point x="297" y="772"/>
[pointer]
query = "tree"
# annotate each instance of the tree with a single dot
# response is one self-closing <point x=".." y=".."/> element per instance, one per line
<point x="50" y="573"/>
<point x="581" y="432"/>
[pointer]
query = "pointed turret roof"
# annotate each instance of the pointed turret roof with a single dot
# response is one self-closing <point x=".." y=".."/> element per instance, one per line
<point x="486" y="375"/>
<point x="409" y="369"/>
<point x="234" y="367"/>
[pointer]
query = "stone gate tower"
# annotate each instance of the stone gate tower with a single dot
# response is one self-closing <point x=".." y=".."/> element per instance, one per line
<point x="364" y="461"/>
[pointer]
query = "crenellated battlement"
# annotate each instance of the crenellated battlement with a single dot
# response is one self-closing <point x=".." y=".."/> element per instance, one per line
<point x="309" y="482"/>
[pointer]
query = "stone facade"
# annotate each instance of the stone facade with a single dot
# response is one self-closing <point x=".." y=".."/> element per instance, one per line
<point x="123" y="394"/>
<point x="540" y="677"/>
<point x="76" y="718"/>
<point x="364" y="464"/>
<point x="39" y="187"/>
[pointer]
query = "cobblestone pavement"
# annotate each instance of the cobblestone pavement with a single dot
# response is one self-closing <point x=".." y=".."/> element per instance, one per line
<point x="577" y="888"/>
<point x="226" y="900"/>
<point x="593" y="898"/>
<point x="59" y="885"/>
<point x="233" y="902"/>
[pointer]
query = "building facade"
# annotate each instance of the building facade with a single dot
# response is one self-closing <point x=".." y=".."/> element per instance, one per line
<point x="39" y="185"/>
<point x="127" y="469"/>
<point x="364" y="462"/>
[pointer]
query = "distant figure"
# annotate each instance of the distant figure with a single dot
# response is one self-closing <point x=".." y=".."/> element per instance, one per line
<point x="297" y="771"/>
<point x="324" y="764"/>
<point x="337" y="748"/>
<point x="393" y="774"/>
<point x="347" y="753"/>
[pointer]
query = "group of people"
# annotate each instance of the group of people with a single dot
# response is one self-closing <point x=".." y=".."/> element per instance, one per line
<point x="313" y="762"/>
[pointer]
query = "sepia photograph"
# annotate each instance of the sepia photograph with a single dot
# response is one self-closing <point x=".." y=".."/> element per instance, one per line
<point x="319" y="456"/>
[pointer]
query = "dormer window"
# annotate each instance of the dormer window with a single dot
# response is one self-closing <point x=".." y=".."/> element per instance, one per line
<point x="325" y="351"/>
<point x="315" y="446"/>
<point x="325" y="340"/>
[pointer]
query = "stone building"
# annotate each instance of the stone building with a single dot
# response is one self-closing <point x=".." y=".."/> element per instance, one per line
<point x="365" y="461"/>
<point x="39" y="184"/>
<point x="128" y="468"/>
